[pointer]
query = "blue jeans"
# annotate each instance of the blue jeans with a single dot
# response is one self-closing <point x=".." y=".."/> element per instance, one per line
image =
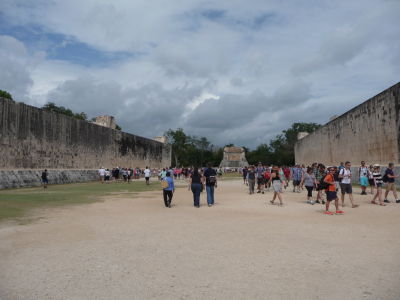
<point x="196" y="189"/>
<point x="210" y="194"/>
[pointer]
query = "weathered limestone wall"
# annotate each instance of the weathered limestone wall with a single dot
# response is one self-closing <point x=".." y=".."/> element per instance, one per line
<point x="31" y="138"/>
<point x="28" y="178"/>
<point x="369" y="132"/>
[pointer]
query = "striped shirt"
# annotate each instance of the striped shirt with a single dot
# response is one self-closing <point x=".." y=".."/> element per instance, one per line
<point x="378" y="177"/>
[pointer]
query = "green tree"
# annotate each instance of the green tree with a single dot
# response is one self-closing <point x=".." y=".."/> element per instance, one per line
<point x="4" y="94"/>
<point x="280" y="150"/>
<point x="178" y="139"/>
<point x="51" y="106"/>
<point x="192" y="150"/>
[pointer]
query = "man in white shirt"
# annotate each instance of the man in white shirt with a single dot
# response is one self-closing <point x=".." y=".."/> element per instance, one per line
<point x="102" y="173"/>
<point x="345" y="184"/>
<point x="147" y="174"/>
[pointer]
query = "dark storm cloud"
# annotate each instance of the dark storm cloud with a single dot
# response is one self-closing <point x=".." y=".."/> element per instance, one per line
<point x="233" y="71"/>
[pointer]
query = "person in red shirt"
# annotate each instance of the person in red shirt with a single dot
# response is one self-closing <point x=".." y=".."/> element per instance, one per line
<point x="267" y="176"/>
<point x="331" y="193"/>
<point x="286" y="172"/>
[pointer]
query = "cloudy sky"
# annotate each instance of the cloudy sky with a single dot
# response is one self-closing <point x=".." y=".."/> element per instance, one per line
<point x="231" y="70"/>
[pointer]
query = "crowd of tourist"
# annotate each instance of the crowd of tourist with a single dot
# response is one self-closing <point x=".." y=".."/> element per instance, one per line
<point x="325" y="181"/>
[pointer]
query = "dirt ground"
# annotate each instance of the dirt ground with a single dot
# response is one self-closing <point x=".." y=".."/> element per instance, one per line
<point x="242" y="248"/>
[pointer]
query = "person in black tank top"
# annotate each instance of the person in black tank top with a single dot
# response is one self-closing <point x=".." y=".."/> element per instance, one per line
<point x="196" y="183"/>
<point x="276" y="181"/>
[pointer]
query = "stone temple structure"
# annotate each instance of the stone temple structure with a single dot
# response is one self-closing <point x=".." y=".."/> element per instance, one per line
<point x="106" y="121"/>
<point x="234" y="157"/>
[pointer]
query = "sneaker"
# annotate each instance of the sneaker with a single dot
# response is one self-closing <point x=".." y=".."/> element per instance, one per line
<point x="386" y="201"/>
<point x="328" y="213"/>
<point x="258" y="192"/>
<point x="262" y="192"/>
<point x="398" y="201"/>
<point x="312" y="202"/>
<point x="339" y="212"/>
<point x="323" y="201"/>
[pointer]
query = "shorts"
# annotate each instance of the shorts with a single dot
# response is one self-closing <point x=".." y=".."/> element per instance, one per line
<point x="346" y="188"/>
<point x="331" y="195"/>
<point x="276" y="186"/>
<point x="378" y="185"/>
<point x="45" y="180"/>
<point x="147" y="178"/>
<point x="296" y="182"/>
<point x="363" y="181"/>
<point x="260" y="180"/>
<point x="390" y="187"/>
<point x="371" y="181"/>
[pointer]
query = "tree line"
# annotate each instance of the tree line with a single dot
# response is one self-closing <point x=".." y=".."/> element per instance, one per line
<point x="197" y="151"/>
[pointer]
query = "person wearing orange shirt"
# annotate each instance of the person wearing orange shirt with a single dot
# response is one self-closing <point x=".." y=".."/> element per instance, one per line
<point x="331" y="193"/>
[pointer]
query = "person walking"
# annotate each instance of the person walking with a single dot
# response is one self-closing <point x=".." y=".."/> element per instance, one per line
<point x="296" y="177"/>
<point x="320" y="174"/>
<point x="331" y="193"/>
<point x="363" y="175"/>
<point x="267" y="177"/>
<point x="251" y="179"/>
<point x="196" y="184"/>
<point x="345" y="185"/>
<point x="378" y="185"/>
<point x="102" y="173"/>
<point x="389" y="179"/>
<point x="371" y="180"/>
<point x="45" y="179"/>
<point x="147" y="174"/>
<point x="211" y="183"/>
<point x="244" y="174"/>
<point x="277" y="181"/>
<point x="168" y="192"/>
<point x="308" y="180"/>
<point x="260" y="178"/>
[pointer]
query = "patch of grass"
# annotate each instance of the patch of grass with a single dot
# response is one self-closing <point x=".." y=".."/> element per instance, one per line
<point x="18" y="203"/>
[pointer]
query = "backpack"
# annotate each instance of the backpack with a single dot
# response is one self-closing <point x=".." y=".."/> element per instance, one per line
<point x="164" y="184"/>
<point x="323" y="184"/>
<point x="385" y="178"/>
<point x="212" y="179"/>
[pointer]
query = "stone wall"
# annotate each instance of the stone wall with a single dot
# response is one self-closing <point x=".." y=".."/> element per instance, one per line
<point x="369" y="132"/>
<point x="29" y="178"/>
<point x="31" y="138"/>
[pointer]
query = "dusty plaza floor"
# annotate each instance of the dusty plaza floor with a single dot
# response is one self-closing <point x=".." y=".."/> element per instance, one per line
<point x="242" y="248"/>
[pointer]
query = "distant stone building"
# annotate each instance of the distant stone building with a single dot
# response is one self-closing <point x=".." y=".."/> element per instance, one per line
<point x="161" y="139"/>
<point x="234" y="157"/>
<point x="106" y="121"/>
<point x="369" y="132"/>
